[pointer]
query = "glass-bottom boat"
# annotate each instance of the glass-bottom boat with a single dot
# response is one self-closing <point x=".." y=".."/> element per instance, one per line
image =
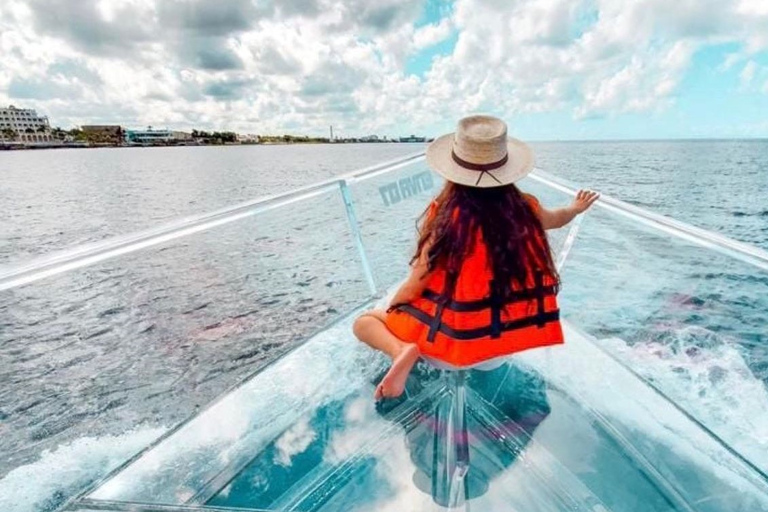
<point x="587" y="426"/>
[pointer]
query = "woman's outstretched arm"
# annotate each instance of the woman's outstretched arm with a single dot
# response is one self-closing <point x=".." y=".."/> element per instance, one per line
<point x="557" y="218"/>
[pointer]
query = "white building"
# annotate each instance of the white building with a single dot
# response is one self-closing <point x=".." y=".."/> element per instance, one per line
<point x="148" y="137"/>
<point x="248" y="138"/>
<point x="23" y="125"/>
<point x="181" y="136"/>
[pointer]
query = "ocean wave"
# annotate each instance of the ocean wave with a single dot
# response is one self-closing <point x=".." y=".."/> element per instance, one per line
<point x="61" y="473"/>
<point x="707" y="376"/>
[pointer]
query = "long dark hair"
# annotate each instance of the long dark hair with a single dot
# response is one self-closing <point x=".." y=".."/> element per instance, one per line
<point x="511" y="230"/>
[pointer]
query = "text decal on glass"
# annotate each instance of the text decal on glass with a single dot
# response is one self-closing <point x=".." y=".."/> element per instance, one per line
<point x="393" y="193"/>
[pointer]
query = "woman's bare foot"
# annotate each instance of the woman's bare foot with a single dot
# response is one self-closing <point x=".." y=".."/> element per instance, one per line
<point x="393" y="383"/>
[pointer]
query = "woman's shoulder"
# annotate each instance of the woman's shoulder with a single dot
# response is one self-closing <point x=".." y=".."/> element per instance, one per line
<point x="532" y="201"/>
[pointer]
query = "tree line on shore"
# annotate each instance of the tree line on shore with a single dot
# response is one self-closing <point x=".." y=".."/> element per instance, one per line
<point x="116" y="137"/>
<point x="214" y="137"/>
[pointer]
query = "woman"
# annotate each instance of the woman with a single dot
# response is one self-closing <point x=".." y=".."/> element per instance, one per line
<point x="483" y="283"/>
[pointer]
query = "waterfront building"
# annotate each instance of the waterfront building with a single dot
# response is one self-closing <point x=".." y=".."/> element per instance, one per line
<point x="181" y="136"/>
<point x="248" y="138"/>
<point x="103" y="134"/>
<point x="24" y="125"/>
<point x="413" y="138"/>
<point x="149" y="137"/>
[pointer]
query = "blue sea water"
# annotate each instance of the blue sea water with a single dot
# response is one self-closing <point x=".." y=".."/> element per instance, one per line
<point x="714" y="184"/>
<point x="97" y="364"/>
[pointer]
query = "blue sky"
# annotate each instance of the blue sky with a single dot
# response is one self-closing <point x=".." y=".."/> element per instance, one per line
<point x="711" y="100"/>
<point x="432" y="13"/>
<point x="553" y="69"/>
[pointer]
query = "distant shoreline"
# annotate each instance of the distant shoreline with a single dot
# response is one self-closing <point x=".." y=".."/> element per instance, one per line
<point x="24" y="147"/>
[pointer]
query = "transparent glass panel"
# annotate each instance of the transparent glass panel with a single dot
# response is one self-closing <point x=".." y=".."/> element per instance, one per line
<point x="550" y="430"/>
<point x="689" y="468"/>
<point x="693" y="321"/>
<point x="690" y="319"/>
<point x="390" y="205"/>
<point x="147" y="339"/>
<point x="566" y="428"/>
<point x="631" y="414"/>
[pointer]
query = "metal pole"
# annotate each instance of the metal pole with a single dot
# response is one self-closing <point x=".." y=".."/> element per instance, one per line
<point x="354" y="226"/>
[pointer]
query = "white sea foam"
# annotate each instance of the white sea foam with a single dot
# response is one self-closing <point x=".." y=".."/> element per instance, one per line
<point x="58" y="474"/>
<point x="589" y="376"/>
<point x="710" y="379"/>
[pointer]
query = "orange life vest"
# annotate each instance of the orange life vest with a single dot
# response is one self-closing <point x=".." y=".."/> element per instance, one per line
<point x="473" y="325"/>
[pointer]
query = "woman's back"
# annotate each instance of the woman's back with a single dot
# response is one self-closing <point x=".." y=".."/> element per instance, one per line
<point x="493" y="291"/>
<point x="483" y="283"/>
<point x="476" y="269"/>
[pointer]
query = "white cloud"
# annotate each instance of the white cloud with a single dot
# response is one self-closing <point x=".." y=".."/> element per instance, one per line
<point x="647" y="82"/>
<point x="731" y="60"/>
<point x="753" y="78"/>
<point x="299" y="65"/>
<point x="294" y="441"/>
<point x="747" y="74"/>
<point x="430" y="35"/>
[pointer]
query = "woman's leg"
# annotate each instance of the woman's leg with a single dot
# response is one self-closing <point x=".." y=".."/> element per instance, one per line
<point x="371" y="329"/>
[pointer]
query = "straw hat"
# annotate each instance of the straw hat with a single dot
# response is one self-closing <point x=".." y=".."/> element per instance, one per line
<point x="479" y="154"/>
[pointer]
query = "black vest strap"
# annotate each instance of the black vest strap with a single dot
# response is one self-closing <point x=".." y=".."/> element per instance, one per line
<point x="494" y="302"/>
<point x="496" y="305"/>
<point x="480" y="332"/>
<point x="539" y="279"/>
<point x="435" y="321"/>
<point x="442" y="300"/>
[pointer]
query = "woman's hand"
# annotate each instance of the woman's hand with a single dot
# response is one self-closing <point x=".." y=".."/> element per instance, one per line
<point x="584" y="199"/>
<point x="554" y="219"/>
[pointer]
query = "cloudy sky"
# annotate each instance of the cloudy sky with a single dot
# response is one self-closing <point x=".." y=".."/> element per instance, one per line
<point x="554" y="69"/>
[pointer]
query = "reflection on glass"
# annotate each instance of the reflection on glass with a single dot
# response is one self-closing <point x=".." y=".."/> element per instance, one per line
<point x="450" y="440"/>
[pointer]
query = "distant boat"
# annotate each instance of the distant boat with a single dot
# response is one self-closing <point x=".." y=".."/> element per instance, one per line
<point x="413" y="138"/>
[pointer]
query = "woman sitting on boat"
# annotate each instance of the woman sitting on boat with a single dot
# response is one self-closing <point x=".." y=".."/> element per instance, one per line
<point x="483" y="282"/>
